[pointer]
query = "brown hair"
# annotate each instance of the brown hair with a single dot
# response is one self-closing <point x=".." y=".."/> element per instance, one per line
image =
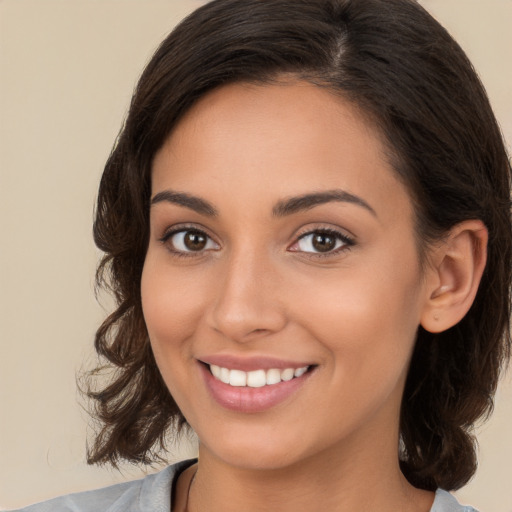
<point x="394" y="61"/>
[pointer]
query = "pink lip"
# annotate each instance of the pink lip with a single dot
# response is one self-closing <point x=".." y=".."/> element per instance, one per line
<point x="251" y="400"/>
<point x="249" y="364"/>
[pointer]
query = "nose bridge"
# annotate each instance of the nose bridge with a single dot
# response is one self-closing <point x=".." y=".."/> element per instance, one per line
<point x="247" y="301"/>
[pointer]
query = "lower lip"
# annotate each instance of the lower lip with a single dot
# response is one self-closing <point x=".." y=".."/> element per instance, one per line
<point x="251" y="400"/>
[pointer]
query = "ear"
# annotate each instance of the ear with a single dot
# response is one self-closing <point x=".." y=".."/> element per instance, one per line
<point x="457" y="265"/>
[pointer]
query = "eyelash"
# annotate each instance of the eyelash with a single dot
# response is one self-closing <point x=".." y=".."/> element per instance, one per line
<point x="183" y="229"/>
<point x="347" y="242"/>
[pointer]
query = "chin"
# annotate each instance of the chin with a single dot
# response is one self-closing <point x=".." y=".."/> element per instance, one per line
<point x="257" y="456"/>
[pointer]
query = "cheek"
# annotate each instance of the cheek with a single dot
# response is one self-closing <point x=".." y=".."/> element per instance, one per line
<point x="171" y="304"/>
<point x="366" y="317"/>
<point x="369" y="341"/>
<point x="172" y="309"/>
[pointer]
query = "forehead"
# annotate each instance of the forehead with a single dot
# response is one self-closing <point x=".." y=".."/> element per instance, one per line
<point x="275" y="140"/>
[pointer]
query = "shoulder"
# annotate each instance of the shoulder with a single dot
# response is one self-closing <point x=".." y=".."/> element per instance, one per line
<point x="446" y="502"/>
<point x="150" y="493"/>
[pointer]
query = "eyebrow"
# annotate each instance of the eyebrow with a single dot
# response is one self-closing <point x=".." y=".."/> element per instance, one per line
<point x="281" y="209"/>
<point x="188" y="201"/>
<point x="308" y="201"/>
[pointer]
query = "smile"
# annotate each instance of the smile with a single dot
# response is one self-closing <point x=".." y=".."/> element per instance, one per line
<point x="256" y="378"/>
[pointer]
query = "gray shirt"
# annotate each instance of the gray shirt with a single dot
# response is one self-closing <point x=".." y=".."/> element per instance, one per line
<point x="153" y="494"/>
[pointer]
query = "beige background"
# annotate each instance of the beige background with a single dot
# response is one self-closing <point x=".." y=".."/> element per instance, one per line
<point x="67" y="71"/>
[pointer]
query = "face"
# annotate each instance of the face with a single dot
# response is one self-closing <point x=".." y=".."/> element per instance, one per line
<point x="282" y="289"/>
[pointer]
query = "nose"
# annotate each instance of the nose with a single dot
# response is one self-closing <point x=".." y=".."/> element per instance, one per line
<point x="248" y="301"/>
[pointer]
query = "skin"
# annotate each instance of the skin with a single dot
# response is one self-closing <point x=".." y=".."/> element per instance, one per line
<point x="259" y="289"/>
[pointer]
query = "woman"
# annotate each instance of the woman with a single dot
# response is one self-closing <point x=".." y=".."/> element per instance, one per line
<point x="306" y="225"/>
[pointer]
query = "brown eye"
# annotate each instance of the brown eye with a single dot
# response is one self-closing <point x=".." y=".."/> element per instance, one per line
<point x="323" y="242"/>
<point x="195" y="241"/>
<point x="189" y="240"/>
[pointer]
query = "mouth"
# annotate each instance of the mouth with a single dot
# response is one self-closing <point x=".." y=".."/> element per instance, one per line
<point x="261" y="385"/>
<point x="256" y="378"/>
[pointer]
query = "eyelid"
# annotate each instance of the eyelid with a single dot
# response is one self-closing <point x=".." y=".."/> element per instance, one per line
<point x="340" y="234"/>
<point x="183" y="228"/>
<point x="348" y="241"/>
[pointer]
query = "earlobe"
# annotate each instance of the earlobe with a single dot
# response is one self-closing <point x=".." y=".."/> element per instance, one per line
<point x="457" y="267"/>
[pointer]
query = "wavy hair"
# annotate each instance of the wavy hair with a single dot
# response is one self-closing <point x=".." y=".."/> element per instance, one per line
<point x="403" y="70"/>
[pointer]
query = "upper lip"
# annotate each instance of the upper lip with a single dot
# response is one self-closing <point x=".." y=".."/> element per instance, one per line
<point x="251" y="363"/>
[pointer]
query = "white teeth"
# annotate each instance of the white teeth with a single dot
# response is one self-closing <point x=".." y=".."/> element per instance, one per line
<point x="256" y="378"/>
<point x="215" y="370"/>
<point x="300" y="371"/>
<point x="224" y="375"/>
<point x="273" y="376"/>
<point x="287" y="374"/>
<point x="237" y="378"/>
